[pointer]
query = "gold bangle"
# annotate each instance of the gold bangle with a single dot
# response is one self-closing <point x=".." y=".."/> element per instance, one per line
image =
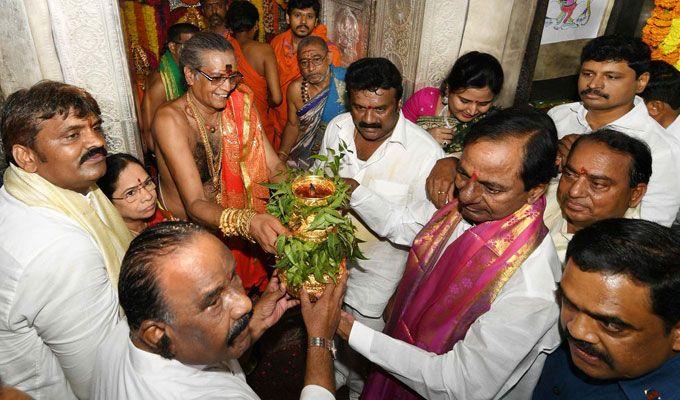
<point x="236" y="222"/>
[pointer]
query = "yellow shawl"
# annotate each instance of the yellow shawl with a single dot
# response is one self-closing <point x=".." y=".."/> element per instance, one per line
<point x="110" y="234"/>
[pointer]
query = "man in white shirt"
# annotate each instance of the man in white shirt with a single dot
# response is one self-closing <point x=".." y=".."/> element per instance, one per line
<point x="61" y="242"/>
<point x="662" y="96"/>
<point x="475" y="313"/>
<point x="605" y="176"/>
<point x="189" y="319"/>
<point x="613" y="71"/>
<point x="386" y="163"/>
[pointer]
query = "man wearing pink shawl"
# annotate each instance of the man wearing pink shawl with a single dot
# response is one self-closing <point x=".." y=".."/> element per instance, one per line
<point x="475" y="313"/>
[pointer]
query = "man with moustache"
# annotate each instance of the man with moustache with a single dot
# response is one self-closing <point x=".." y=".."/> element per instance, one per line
<point x="605" y="176"/>
<point x="61" y="242"/>
<point x="620" y="297"/>
<point x="215" y="12"/>
<point x="385" y="164"/>
<point x="613" y="71"/>
<point x="213" y="156"/>
<point x="189" y="319"/>
<point x="314" y="100"/>
<point x="475" y="313"/>
<point x="303" y="18"/>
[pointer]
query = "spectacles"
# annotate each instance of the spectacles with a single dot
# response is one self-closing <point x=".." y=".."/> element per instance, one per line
<point x="314" y="61"/>
<point x="131" y="194"/>
<point x="234" y="78"/>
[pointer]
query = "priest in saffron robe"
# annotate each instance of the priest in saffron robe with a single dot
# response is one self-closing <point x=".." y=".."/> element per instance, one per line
<point x="212" y="154"/>
<point x="475" y="313"/>
<point x="168" y="82"/>
<point x="303" y="17"/>
<point x="257" y="62"/>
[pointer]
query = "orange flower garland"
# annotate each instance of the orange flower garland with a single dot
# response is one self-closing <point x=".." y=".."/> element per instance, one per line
<point x="662" y="31"/>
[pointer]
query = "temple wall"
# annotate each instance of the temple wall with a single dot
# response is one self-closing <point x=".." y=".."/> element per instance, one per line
<point x="424" y="37"/>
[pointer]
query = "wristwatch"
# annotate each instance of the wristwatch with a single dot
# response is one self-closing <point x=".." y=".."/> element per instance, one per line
<point x="323" y="342"/>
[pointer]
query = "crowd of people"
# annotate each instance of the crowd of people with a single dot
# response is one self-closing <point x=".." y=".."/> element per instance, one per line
<point x="509" y="253"/>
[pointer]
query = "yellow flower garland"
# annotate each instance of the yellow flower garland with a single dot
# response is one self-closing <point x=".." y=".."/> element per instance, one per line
<point x="662" y="32"/>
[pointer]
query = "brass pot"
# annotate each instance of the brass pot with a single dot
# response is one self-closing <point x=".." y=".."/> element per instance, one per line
<point x="311" y="191"/>
<point x="313" y="287"/>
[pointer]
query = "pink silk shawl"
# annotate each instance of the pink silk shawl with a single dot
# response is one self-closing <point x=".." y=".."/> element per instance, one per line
<point x="440" y="297"/>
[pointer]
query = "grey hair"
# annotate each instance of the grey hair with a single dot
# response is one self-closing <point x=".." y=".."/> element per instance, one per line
<point x="138" y="289"/>
<point x="192" y="52"/>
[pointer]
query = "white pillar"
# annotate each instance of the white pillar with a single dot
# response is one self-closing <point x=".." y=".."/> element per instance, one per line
<point x="89" y="40"/>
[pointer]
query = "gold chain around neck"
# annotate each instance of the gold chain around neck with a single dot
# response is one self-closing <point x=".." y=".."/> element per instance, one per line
<point x="214" y="166"/>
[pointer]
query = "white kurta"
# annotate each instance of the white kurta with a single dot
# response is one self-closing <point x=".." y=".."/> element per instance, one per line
<point x="503" y="352"/>
<point x="56" y="301"/>
<point x="390" y="202"/>
<point x="124" y="372"/>
<point x="674" y="128"/>
<point x="662" y="200"/>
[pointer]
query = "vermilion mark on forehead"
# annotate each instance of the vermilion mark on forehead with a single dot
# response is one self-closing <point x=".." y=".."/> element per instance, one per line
<point x="583" y="171"/>
<point x="473" y="177"/>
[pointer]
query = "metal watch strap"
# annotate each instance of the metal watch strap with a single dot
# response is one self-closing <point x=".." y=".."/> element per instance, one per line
<point x="324" y="343"/>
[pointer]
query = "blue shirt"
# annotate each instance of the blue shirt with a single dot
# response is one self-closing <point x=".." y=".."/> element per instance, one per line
<point x="561" y="379"/>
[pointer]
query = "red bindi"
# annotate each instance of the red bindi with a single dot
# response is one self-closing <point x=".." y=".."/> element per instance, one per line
<point x="473" y="177"/>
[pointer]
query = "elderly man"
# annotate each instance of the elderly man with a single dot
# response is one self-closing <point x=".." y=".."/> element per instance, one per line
<point x="168" y="82"/>
<point x="212" y="156"/>
<point x="386" y="164"/>
<point x="256" y="61"/>
<point x="475" y="313"/>
<point x="303" y="18"/>
<point x="613" y="71"/>
<point x="620" y="297"/>
<point x="61" y="242"/>
<point x="188" y="320"/>
<point x="605" y="176"/>
<point x="314" y="99"/>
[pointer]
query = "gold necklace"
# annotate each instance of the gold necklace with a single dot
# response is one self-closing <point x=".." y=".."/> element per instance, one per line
<point x="214" y="168"/>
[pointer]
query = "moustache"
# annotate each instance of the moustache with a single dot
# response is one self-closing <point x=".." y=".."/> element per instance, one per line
<point x="93" y="152"/>
<point x="595" y="92"/>
<point x="588" y="348"/>
<point x="369" y="126"/>
<point x="239" y="326"/>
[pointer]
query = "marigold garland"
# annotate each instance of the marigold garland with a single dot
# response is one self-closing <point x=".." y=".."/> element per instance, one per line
<point x="662" y="31"/>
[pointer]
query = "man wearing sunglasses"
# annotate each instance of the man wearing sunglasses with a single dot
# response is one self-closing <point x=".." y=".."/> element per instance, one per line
<point x="212" y="156"/>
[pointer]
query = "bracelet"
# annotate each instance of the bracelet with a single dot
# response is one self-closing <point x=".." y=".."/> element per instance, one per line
<point x="322" y="342"/>
<point x="236" y="222"/>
